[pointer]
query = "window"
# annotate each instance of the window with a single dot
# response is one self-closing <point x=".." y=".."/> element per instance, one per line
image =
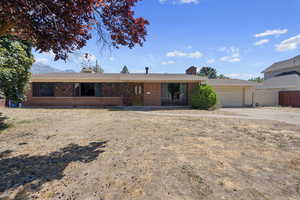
<point x="43" y="89"/>
<point x="87" y="89"/>
<point x="174" y="94"/>
<point x="288" y="73"/>
<point x="138" y="90"/>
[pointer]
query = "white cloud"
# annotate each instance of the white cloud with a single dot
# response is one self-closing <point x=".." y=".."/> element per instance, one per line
<point x="210" y="61"/>
<point x="271" y="32"/>
<point x="196" y="54"/>
<point x="234" y="54"/>
<point x="41" y="60"/>
<point x="289" y="44"/>
<point x="176" y="54"/>
<point x="189" y="1"/>
<point x="230" y="59"/>
<point x="231" y="49"/>
<point x="261" y="42"/>
<point x="180" y="1"/>
<point x="162" y="1"/>
<point x="189" y="47"/>
<point x="170" y="62"/>
<point x="111" y="58"/>
<point x="240" y="75"/>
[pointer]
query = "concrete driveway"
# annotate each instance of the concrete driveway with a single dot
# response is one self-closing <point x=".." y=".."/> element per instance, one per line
<point x="291" y="117"/>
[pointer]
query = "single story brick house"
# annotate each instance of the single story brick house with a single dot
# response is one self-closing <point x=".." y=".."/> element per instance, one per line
<point x="108" y="89"/>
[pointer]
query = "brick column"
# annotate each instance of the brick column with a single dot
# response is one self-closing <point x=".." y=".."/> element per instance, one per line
<point x="152" y="94"/>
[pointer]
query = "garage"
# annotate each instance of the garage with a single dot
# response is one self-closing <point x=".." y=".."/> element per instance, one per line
<point x="289" y="98"/>
<point x="266" y="97"/>
<point x="233" y="92"/>
<point x="230" y="96"/>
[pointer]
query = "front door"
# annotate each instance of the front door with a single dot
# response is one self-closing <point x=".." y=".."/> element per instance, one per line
<point x="138" y="94"/>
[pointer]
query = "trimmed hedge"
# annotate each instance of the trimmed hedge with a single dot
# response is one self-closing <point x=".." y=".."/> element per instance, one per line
<point x="204" y="97"/>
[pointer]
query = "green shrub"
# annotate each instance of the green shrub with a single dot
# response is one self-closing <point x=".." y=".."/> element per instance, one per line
<point x="204" y="97"/>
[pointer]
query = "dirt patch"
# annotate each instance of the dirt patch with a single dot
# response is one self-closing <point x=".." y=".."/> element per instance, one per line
<point x="194" y="111"/>
<point x="99" y="154"/>
<point x="279" y="108"/>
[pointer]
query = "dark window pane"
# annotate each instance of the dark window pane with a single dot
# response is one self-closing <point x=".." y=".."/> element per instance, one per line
<point x="87" y="89"/>
<point x="173" y="94"/>
<point x="97" y="89"/>
<point x="43" y="89"/>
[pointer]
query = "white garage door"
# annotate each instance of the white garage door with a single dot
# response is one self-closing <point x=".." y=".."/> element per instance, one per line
<point x="267" y="97"/>
<point x="230" y="96"/>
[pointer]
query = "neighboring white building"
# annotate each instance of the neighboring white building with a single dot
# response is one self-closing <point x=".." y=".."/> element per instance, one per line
<point x="282" y="68"/>
<point x="281" y="76"/>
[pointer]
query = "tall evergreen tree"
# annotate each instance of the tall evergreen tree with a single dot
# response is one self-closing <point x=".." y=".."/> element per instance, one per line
<point x="125" y="70"/>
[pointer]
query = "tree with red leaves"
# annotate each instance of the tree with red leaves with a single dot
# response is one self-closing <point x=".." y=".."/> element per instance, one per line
<point x="63" y="26"/>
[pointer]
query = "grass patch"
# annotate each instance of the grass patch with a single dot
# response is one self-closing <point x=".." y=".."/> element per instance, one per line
<point x="189" y="171"/>
<point x="24" y="122"/>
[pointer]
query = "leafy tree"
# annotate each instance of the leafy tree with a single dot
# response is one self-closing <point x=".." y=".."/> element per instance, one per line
<point x="209" y="72"/>
<point x="63" y="26"/>
<point x="203" y="97"/>
<point x="257" y="79"/>
<point x="125" y="70"/>
<point x="222" y="76"/>
<point x="15" y="62"/>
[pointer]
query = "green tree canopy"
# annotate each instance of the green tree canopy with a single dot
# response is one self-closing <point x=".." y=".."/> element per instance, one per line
<point x="209" y="72"/>
<point x="15" y="62"/>
<point x="222" y="76"/>
<point x="125" y="70"/>
<point x="203" y="97"/>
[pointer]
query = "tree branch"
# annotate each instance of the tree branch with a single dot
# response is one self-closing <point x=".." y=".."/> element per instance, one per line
<point x="5" y="28"/>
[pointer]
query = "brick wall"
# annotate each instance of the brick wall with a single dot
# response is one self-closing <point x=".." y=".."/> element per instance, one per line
<point x="71" y="101"/>
<point x="152" y="94"/>
<point x="152" y="97"/>
<point x="74" y="101"/>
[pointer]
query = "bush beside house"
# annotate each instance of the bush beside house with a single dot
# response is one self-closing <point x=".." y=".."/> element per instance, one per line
<point x="204" y="97"/>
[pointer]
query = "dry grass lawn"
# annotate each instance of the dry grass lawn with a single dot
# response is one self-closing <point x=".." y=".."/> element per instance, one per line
<point x="98" y="154"/>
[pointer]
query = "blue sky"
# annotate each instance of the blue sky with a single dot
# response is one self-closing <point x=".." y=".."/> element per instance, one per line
<point x="238" y="37"/>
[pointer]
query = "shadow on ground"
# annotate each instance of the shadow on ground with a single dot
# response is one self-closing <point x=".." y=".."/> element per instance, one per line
<point x="36" y="170"/>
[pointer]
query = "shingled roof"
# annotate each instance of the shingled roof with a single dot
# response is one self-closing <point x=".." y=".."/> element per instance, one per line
<point x="114" y="77"/>
<point x="293" y="62"/>
<point x="230" y="82"/>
